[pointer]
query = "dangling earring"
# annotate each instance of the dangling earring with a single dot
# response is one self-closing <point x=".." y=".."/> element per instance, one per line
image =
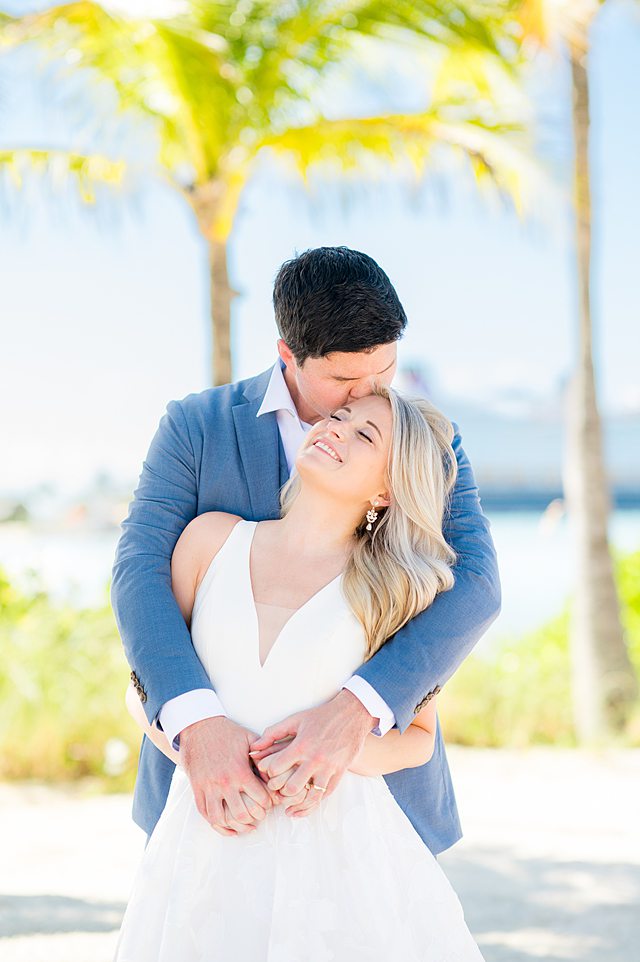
<point x="372" y="515"/>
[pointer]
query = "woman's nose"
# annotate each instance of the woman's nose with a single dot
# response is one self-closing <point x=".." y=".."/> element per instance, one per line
<point x="337" y="428"/>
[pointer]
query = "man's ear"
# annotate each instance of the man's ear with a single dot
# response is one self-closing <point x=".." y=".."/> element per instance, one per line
<point x="286" y="354"/>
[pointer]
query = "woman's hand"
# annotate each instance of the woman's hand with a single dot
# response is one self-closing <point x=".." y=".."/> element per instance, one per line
<point x="273" y="785"/>
<point x="292" y="801"/>
<point x="275" y="797"/>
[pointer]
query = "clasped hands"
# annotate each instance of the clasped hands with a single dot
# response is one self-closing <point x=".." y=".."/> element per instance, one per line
<point x="281" y="786"/>
<point x="237" y="776"/>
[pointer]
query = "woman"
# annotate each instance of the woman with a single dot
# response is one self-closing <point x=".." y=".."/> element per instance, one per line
<point x="281" y="613"/>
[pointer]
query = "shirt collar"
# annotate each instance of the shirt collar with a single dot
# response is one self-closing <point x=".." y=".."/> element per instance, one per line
<point x="277" y="396"/>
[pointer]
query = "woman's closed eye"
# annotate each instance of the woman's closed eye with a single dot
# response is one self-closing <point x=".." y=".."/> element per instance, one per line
<point x="334" y="417"/>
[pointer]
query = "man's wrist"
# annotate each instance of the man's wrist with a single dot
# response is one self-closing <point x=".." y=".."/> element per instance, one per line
<point x="377" y="707"/>
<point x="187" y="709"/>
<point x="186" y="733"/>
<point x="355" y="707"/>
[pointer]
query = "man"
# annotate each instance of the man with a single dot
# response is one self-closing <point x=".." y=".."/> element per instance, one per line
<point x="230" y="449"/>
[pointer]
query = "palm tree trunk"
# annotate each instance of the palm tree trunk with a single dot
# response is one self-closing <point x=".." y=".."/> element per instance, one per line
<point x="604" y="683"/>
<point x="208" y="202"/>
<point x="222" y="295"/>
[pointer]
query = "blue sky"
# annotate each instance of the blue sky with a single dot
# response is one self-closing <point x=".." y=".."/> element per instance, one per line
<point x="104" y="316"/>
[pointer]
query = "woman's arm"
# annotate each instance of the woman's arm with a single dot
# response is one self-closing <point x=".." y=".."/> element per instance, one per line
<point x="395" y="750"/>
<point x="134" y="706"/>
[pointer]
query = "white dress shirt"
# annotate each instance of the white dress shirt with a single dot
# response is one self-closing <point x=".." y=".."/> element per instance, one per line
<point x="193" y="706"/>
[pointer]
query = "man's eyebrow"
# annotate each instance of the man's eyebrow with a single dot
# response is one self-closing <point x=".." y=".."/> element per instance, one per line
<point x="337" y="378"/>
<point x="368" y="422"/>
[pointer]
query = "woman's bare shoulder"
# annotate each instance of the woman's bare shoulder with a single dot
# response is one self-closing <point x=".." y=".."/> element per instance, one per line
<point x="204" y="536"/>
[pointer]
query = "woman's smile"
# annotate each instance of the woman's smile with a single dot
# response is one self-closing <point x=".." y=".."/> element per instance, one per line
<point x="327" y="448"/>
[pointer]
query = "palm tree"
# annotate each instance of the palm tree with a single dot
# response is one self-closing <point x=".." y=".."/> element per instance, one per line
<point x="224" y="81"/>
<point x="605" y="687"/>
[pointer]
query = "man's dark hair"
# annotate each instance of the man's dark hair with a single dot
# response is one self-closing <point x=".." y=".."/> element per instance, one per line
<point x="335" y="299"/>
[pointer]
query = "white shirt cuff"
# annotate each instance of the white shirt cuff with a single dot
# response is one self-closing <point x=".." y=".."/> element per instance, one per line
<point x="374" y="704"/>
<point x="187" y="709"/>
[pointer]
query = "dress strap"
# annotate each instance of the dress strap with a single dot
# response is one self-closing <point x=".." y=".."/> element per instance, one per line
<point x="235" y="550"/>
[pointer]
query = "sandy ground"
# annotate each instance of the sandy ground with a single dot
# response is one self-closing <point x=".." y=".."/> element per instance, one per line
<point x="549" y="866"/>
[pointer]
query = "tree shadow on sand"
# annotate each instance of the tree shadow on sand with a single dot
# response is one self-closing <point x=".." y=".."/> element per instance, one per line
<point x="54" y="914"/>
<point x="521" y="909"/>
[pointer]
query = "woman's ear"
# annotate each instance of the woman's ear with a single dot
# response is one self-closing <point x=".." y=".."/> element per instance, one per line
<point x="384" y="500"/>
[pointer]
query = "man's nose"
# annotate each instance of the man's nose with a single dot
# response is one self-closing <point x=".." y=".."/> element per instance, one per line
<point x="362" y="388"/>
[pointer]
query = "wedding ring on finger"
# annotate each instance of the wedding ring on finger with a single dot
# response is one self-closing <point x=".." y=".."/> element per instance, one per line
<point x="318" y="788"/>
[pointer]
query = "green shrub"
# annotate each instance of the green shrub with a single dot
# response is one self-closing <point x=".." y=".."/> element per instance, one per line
<point x="628" y="581"/>
<point x="519" y="696"/>
<point x="63" y="675"/>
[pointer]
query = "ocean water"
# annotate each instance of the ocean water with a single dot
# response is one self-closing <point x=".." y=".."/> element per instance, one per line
<point x="534" y="553"/>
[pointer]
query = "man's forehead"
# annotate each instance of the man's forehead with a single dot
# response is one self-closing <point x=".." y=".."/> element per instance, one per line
<point x="360" y="364"/>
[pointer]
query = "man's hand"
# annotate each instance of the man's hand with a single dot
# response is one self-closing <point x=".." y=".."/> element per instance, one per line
<point x="325" y="742"/>
<point x="227" y="791"/>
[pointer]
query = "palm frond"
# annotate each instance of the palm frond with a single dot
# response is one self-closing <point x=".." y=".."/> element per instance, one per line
<point x="85" y="172"/>
<point x="498" y="152"/>
<point x="84" y="36"/>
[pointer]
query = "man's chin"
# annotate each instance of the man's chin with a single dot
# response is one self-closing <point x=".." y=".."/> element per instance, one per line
<point x="316" y="418"/>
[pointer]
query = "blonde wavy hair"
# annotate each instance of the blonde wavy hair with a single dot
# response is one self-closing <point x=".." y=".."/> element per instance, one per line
<point x="397" y="569"/>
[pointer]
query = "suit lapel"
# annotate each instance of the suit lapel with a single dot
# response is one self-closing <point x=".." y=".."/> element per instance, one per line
<point x="284" y="467"/>
<point x="259" y="446"/>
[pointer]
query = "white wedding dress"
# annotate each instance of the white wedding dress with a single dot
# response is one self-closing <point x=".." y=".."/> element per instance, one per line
<point x="351" y="882"/>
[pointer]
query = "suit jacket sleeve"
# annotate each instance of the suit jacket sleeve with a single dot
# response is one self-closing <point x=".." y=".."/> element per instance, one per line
<point x="156" y="639"/>
<point x="426" y="652"/>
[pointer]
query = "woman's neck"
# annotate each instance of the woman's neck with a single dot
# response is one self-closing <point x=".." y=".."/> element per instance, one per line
<point x="316" y="525"/>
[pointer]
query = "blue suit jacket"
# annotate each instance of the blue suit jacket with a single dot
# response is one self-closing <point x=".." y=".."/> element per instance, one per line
<point x="211" y="453"/>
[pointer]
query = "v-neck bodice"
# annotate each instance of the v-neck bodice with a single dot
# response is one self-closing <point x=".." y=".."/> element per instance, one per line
<point x="316" y="650"/>
<point x="292" y="611"/>
<point x="271" y="621"/>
